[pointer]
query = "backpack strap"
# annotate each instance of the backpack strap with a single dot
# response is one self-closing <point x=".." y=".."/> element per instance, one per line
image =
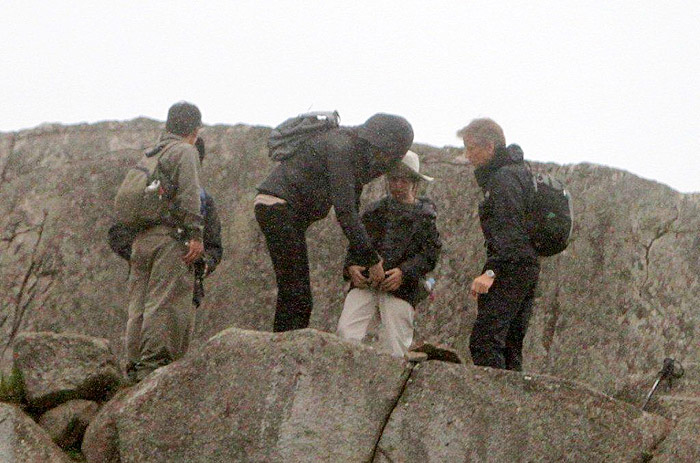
<point x="167" y="148"/>
<point x="160" y="155"/>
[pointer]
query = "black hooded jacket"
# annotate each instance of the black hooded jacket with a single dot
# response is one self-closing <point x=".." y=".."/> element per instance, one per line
<point x="212" y="233"/>
<point x="405" y="235"/>
<point x="508" y="192"/>
<point x="329" y="171"/>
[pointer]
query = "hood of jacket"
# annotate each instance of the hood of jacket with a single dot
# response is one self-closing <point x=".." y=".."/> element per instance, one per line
<point x="389" y="133"/>
<point x="512" y="154"/>
<point x="165" y="139"/>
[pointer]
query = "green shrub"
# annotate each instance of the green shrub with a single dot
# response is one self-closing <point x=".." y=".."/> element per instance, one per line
<point x="75" y="455"/>
<point x="12" y="387"/>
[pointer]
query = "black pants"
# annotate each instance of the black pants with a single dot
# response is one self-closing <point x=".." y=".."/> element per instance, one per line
<point x="504" y="313"/>
<point x="285" y="235"/>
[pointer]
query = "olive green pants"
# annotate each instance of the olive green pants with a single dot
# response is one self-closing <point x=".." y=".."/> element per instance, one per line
<point x="161" y="315"/>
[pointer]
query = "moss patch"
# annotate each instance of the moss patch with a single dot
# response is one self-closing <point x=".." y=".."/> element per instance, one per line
<point x="12" y="387"/>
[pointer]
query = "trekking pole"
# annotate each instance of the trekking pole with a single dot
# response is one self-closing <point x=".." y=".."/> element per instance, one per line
<point x="671" y="369"/>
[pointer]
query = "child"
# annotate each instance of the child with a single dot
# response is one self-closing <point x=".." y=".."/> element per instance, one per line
<point x="402" y="229"/>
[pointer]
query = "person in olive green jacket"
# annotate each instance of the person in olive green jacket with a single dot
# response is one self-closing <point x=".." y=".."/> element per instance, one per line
<point x="161" y="279"/>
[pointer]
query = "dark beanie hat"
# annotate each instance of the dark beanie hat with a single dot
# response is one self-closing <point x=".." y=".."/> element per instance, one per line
<point x="393" y="135"/>
<point x="183" y="118"/>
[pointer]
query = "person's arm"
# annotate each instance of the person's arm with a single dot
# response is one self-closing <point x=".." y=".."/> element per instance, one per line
<point x="424" y="261"/>
<point x="371" y="220"/>
<point x="344" y="197"/>
<point x="508" y="209"/>
<point x="507" y="224"/>
<point x="186" y="179"/>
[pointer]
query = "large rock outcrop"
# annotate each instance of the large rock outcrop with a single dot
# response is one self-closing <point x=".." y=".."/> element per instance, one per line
<point x="448" y="413"/>
<point x="609" y="309"/>
<point x="56" y="368"/>
<point x="251" y="396"/>
<point x="66" y="424"/>
<point x="307" y="396"/>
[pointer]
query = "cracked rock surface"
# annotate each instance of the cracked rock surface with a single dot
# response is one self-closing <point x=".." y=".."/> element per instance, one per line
<point x="306" y="396"/>
<point x="301" y="396"/>
<point x="453" y="413"/>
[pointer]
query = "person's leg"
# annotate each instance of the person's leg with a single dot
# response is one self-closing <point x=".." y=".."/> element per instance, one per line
<point x="286" y="243"/>
<point x="496" y="310"/>
<point x="168" y="309"/>
<point x="397" y="323"/>
<point x="138" y="286"/>
<point x="358" y="310"/>
<point x="190" y="329"/>
<point x="518" y="326"/>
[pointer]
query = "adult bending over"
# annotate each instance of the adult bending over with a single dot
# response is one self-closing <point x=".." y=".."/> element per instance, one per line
<point x="330" y="169"/>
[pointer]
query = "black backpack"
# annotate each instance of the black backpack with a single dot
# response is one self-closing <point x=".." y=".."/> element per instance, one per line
<point x="120" y="236"/>
<point x="551" y="215"/>
<point x="286" y="138"/>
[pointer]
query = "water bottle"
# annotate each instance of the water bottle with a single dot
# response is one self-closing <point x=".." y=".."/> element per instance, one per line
<point x="155" y="184"/>
<point x="429" y="284"/>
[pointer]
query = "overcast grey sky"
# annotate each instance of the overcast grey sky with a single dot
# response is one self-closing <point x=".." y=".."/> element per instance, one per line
<point x="607" y="82"/>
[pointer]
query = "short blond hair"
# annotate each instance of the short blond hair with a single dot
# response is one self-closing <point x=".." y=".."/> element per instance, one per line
<point x="485" y="129"/>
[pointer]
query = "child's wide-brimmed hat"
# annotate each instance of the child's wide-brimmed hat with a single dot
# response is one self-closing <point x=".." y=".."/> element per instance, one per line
<point x="411" y="164"/>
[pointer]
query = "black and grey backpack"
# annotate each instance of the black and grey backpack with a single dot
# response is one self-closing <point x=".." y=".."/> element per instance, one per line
<point x="551" y="215"/>
<point x="287" y="138"/>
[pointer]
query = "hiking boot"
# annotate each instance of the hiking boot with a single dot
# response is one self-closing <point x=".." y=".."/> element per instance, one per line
<point x="438" y="352"/>
<point x="415" y="357"/>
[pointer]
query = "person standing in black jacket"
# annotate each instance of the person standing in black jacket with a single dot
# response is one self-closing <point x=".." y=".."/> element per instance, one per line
<point x="331" y="169"/>
<point x="402" y="228"/>
<point x="211" y="235"/>
<point x="506" y="289"/>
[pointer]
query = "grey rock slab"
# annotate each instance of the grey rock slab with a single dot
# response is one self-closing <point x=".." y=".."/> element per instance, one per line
<point x="66" y="423"/>
<point x="300" y="396"/>
<point x="456" y="413"/>
<point x="683" y="443"/>
<point x="689" y="384"/>
<point x="100" y="442"/>
<point x="22" y="440"/>
<point x="676" y="408"/>
<point x="669" y="396"/>
<point x="56" y="368"/>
